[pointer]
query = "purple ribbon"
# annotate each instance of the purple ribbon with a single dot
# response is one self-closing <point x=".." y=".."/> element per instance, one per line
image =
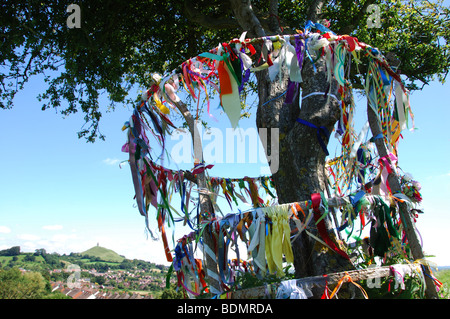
<point x="299" y="46"/>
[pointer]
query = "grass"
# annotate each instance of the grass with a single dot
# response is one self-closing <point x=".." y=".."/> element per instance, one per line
<point x="20" y="258"/>
<point x="109" y="263"/>
<point x="103" y="253"/>
<point x="444" y="277"/>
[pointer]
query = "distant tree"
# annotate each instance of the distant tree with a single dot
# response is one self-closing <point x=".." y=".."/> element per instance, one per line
<point x="15" y="285"/>
<point x="171" y="293"/>
<point x="51" y="259"/>
<point x="29" y="257"/>
<point x="46" y="275"/>
<point x="100" y="267"/>
<point x="56" y="295"/>
<point x="31" y="285"/>
<point x="100" y="280"/>
<point x="126" y="264"/>
<point x="13" y="251"/>
<point x="40" y="252"/>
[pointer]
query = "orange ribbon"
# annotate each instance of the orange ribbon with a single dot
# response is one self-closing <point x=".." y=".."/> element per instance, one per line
<point x="347" y="278"/>
<point x="164" y="238"/>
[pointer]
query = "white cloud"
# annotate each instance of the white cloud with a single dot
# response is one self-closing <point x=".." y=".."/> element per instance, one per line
<point x="30" y="237"/>
<point x="29" y="246"/>
<point x="111" y="161"/>
<point x="62" y="238"/>
<point x="4" y="230"/>
<point x="59" y="243"/>
<point x="52" y="227"/>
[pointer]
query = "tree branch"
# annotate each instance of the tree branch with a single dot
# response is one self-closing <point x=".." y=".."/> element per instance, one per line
<point x="274" y="20"/>
<point x="356" y="19"/>
<point x="315" y="10"/>
<point x="206" y="208"/>
<point x="246" y="18"/>
<point x="208" y="21"/>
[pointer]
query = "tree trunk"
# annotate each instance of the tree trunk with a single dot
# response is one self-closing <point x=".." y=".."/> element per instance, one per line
<point x="301" y="158"/>
<point x="405" y="213"/>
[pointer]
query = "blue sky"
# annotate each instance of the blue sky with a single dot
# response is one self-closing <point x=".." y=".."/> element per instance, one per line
<point x="65" y="195"/>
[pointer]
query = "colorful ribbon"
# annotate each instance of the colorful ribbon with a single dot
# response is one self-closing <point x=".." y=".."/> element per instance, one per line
<point x="320" y="130"/>
<point x="316" y="199"/>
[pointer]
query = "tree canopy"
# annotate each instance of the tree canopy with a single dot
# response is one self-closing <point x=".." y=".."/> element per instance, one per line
<point x="120" y="43"/>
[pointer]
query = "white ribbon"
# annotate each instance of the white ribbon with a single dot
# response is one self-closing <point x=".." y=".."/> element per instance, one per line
<point x="289" y="289"/>
<point x="358" y="142"/>
<point x="321" y="93"/>
<point x="291" y="60"/>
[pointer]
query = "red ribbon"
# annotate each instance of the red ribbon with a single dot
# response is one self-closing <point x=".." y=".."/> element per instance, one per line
<point x="315" y="198"/>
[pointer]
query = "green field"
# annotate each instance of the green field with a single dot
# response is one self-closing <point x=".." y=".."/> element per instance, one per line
<point x="104" y="254"/>
<point x="444" y="277"/>
<point x="21" y="261"/>
<point x="20" y="258"/>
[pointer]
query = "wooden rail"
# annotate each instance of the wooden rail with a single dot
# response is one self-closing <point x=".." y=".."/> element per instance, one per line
<point x="355" y="275"/>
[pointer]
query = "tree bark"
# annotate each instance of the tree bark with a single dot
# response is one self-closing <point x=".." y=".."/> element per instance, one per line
<point x="301" y="157"/>
<point x="405" y="214"/>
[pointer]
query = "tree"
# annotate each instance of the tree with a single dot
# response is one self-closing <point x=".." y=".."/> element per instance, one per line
<point x="15" y="285"/>
<point x="99" y="280"/>
<point x="126" y="264"/>
<point x="29" y="257"/>
<point x="171" y="293"/>
<point x="13" y="251"/>
<point x="40" y="252"/>
<point x="110" y="53"/>
<point x="30" y="285"/>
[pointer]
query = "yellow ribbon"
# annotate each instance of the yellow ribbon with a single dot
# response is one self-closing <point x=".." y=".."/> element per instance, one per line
<point x="423" y="261"/>
<point x="164" y="109"/>
<point x="277" y="241"/>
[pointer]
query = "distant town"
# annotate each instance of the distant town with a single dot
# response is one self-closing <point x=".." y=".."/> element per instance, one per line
<point x="83" y="288"/>
<point x="98" y="273"/>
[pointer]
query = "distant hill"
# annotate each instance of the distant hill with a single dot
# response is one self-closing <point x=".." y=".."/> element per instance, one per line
<point x="103" y="254"/>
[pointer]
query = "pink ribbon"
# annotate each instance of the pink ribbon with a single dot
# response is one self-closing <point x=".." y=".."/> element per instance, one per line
<point x="386" y="164"/>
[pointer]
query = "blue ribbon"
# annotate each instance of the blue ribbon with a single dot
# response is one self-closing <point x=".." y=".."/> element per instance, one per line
<point x="355" y="199"/>
<point x="320" y="130"/>
<point x="308" y="25"/>
<point x="372" y="139"/>
<point x="386" y="80"/>
<point x="179" y="254"/>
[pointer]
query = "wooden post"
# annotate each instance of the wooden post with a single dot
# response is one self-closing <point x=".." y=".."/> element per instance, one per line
<point x="330" y="279"/>
<point x="405" y="215"/>
<point x="206" y="208"/>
